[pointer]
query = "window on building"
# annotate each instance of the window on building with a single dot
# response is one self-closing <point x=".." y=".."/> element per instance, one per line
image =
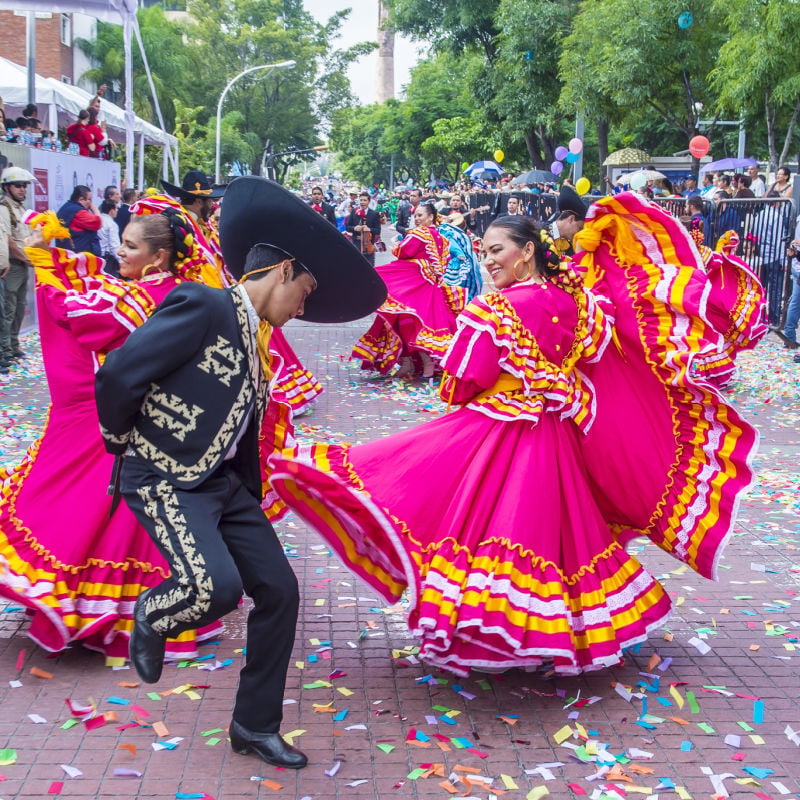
<point x="66" y="30"/>
<point x="66" y="79"/>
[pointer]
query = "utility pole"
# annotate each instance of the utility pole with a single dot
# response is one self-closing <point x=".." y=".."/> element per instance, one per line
<point x="30" y="30"/>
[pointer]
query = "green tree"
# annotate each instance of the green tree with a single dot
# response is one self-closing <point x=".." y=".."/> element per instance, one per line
<point x="283" y="108"/>
<point x="172" y="64"/>
<point x="456" y="140"/>
<point x="509" y="53"/>
<point x="754" y="74"/>
<point x="631" y="59"/>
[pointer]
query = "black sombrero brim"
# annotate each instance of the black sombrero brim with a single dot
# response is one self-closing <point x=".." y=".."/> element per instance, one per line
<point x="257" y="210"/>
<point x="180" y="193"/>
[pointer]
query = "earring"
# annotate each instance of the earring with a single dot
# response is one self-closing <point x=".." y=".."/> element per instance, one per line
<point x="530" y="269"/>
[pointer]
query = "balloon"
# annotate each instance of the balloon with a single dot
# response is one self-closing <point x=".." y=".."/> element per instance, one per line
<point x="465" y="166"/>
<point x="699" y="146"/>
<point x="561" y="152"/>
<point x="499" y="155"/>
<point x="582" y="185"/>
<point x="528" y="55"/>
<point x="575" y="145"/>
<point x="556" y="167"/>
<point x="571" y="158"/>
<point x="637" y="181"/>
<point x="685" y="20"/>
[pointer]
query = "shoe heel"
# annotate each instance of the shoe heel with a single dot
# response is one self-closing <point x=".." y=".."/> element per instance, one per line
<point x="238" y="746"/>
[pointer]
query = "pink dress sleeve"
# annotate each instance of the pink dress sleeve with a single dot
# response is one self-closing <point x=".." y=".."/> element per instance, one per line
<point x="99" y="310"/>
<point x="409" y="248"/>
<point x="472" y="362"/>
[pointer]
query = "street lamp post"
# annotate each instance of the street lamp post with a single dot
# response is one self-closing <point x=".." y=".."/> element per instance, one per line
<point x="279" y="65"/>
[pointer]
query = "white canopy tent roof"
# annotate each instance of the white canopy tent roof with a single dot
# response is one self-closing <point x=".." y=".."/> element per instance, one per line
<point x="123" y="11"/>
<point x="68" y="101"/>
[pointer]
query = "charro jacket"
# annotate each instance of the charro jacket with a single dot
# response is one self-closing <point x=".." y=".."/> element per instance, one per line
<point x="178" y="391"/>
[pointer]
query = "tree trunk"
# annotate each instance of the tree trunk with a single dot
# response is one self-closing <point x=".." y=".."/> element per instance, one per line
<point x="533" y="150"/>
<point x="769" y="113"/>
<point x="789" y="134"/>
<point x="602" y="127"/>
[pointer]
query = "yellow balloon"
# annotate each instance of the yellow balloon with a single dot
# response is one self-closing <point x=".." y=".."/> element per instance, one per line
<point x="582" y="185"/>
<point x="499" y="155"/>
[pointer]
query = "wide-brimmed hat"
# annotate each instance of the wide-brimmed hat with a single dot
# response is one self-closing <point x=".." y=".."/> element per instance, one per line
<point x="260" y="211"/>
<point x="570" y="200"/>
<point x="195" y="184"/>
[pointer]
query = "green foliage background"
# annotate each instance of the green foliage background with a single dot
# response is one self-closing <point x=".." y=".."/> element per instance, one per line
<point x="500" y="74"/>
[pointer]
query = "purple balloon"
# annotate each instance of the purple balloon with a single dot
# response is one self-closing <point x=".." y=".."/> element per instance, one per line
<point x="556" y="167"/>
<point x="561" y="153"/>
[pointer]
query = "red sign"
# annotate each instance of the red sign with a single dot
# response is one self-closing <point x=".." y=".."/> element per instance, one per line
<point x="41" y="196"/>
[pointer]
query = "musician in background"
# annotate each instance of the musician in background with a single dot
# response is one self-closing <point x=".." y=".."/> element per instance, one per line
<point x="364" y="225"/>
<point x="457" y="206"/>
<point x="321" y="207"/>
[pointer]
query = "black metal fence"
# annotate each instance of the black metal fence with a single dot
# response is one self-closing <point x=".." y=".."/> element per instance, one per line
<point x="539" y="206"/>
<point x="765" y="226"/>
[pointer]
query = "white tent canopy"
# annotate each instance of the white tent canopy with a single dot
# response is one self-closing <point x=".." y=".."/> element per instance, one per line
<point x="123" y="11"/>
<point x="68" y="101"/>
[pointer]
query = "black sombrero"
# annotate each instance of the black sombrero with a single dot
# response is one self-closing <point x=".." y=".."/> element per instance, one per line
<point x="570" y="200"/>
<point x="195" y="184"/>
<point x="260" y="211"/>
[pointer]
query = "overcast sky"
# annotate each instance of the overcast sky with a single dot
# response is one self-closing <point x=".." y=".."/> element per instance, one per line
<point x="362" y="26"/>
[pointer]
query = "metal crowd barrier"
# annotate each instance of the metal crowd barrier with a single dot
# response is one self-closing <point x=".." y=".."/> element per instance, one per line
<point x="539" y="206"/>
<point x="765" y="226"/>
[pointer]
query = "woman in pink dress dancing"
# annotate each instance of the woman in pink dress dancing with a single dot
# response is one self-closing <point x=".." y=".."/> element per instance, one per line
<point x="75" y="565"/>
<point x="418" y="318"/>
<point x="581" y="425"/>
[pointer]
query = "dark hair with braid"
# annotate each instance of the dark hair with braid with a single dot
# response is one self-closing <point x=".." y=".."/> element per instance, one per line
<point x="522" y="230"/>
<point x="157" y="234"/>
<point x="431" y="209"/>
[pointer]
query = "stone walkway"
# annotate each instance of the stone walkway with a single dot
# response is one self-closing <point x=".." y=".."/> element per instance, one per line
<point x="709" y="706"/>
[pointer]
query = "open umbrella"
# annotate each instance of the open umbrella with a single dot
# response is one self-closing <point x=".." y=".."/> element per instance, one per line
<point x="540" y="176"/>
<point x="729" y="163"/>
<point x="627" y="155"/>
<point x="647" y="174"/>
<point x="484" y="167"/>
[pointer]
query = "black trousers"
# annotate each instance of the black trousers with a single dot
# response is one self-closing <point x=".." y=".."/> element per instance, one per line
<point x="218" y="542"/>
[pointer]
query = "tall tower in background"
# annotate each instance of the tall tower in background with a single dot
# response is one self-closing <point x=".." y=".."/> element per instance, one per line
<point x="384" y="88"/>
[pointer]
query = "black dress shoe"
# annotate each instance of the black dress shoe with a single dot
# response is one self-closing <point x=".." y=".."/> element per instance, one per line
<point x="146" y="646"/>
<point x="270" y="747"/>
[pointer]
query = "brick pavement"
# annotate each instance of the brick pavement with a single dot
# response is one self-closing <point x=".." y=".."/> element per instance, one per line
<point x="370" y="714"/>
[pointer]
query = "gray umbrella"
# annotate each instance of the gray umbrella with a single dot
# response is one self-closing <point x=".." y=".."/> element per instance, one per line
<point x="539" y="176"/>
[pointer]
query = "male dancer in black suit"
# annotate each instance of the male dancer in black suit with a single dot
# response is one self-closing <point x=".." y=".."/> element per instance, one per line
<point x="183" y="401"/>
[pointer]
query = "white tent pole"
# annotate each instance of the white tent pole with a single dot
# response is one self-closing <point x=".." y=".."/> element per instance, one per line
<point x="52" y="118"/>
<point x="165" y="154"/>
<point x="141" y="162"/>
<point x="149" y="76"/>
<point x="130" y="117"/>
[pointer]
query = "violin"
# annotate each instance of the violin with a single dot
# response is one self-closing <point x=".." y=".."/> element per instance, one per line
<point x="367" y="245"/>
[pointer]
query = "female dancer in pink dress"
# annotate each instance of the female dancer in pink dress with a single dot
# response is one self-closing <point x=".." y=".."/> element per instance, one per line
<point x="419" y="316"/>
<point x="76" y="566"/>
<point x="506" y="521"/>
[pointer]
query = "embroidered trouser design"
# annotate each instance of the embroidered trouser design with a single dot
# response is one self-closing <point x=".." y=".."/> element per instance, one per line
<point x="218" y="542"/>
